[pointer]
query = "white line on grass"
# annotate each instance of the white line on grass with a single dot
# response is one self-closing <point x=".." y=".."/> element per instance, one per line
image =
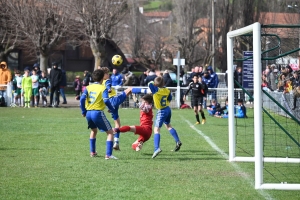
<point x="235" y="166"/>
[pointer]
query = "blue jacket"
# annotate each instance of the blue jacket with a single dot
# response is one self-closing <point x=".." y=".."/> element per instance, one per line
<point x="213" y="81"/>
<point x="63" y="81"/>
<point x="116" y="79"/>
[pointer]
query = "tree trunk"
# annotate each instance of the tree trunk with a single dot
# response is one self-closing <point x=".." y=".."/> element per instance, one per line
<point x="97" y="55"/>
<point x="44" y="62"/>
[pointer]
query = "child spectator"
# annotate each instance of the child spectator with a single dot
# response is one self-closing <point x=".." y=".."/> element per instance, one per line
<point x="43" y="88"/>
<point x="240" y="110"/>
<point x="26" y="88"/>
<point x="18" y="89"/>
<point x="35" y="88"/>
<point x="223" y="111"/>
<point x="212" y="109"/>
<point x="77" y="86"/>
<point x="144" y="130"/>
<point x="162" y="97"/>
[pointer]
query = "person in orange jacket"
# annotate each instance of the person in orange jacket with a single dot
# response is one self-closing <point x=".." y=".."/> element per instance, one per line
<point x="5" y="78"/>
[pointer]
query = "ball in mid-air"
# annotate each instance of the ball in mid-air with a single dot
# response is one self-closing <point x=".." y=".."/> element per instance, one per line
<point x="117" y="60"/>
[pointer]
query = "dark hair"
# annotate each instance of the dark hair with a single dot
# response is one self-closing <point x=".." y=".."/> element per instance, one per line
<point x="159" y="81"/>
<point x="240" y="101"/>
<point x="148" y="98"/>
<point x="98" y="75"/>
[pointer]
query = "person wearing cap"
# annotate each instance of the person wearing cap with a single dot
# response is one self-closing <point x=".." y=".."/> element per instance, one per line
<point x="55" y="78"/>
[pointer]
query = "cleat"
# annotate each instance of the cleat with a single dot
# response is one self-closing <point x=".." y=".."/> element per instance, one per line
<point x="93" y="154"/>
<point x="203" y="121"/>
<point x="116" y="147"/>
<point x="197" y="123"/>
<point x="178" y="145"/>
<point x="139" y="146"/>
<point x="156" y="152"/>
<point x="64" y="103"/>
<point x="110" y="157"/>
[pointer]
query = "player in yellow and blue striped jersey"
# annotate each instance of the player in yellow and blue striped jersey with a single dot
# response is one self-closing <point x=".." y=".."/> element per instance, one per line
<point x="92" y="104"/>
<point x="162" y="97"/>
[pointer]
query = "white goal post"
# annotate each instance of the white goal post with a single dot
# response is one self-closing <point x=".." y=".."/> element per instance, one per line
<point x="258" y="158"/>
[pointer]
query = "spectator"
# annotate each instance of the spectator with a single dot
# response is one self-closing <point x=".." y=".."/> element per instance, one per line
<point x="36" y="66"/>
<point x="143" y="77"/>
<point x="190" y="78"/>
<point x="55" y="78"/>
<point x="167" y="79"/>
<point x="43" y="88"/>
<point x="135" y="80"/>
<point x="273" y="79"/>
<point x="116" y="78"/>
<point x="281" y="83"/>
<point x="86" y="80"/>
<point x="213" y="82"/>
<point x="5" y="78"/>
<point x="77" y="86"/>
<point x="128" y="79"/>
<point x="296" y="88"/>
<point x="238" y="80"/>
<point x="62" y="85"/>
<point x="150" y="77"/>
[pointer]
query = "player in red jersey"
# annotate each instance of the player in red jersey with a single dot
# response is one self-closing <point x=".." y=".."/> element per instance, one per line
<point x="144" y="130"/>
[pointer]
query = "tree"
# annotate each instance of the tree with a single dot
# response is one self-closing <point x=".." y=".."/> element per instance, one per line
<point x="97" y="23"/>
<point x="8" y="33"/>
<point x="44" y="23"/>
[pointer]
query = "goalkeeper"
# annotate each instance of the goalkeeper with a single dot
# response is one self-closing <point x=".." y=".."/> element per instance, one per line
<point x="144" y="130"/>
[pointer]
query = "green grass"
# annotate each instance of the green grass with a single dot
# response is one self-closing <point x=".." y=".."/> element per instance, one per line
<point x="45" y="155"/>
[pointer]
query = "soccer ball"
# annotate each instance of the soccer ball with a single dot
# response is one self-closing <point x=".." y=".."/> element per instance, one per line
<point x="117" y="60"/>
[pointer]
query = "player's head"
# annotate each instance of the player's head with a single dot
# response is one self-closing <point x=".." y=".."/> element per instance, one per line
<point x="17" y="72"/>
<point x="195" y="78"/>
<point x="98" y="75"/>
<point x="43" y="73"/>
<point x="159" y="81"/>
<point x="148" y="98"/>
<point x="106" y="72"/>
<point x="213" y="101"/>
<point x="34" y="72"/>
<point x="240" y="101"/>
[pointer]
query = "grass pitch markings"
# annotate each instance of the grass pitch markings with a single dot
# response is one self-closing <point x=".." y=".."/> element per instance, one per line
<point x="237" y="168"/>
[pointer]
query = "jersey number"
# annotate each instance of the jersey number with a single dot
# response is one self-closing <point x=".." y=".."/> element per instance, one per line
<point x="92" y="97"/>
<point x="163" y="101"/>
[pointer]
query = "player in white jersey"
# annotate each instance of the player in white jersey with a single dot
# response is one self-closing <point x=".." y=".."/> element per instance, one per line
<point x="35" y="87"/>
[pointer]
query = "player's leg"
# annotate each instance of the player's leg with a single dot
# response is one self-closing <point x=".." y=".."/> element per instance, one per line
<point x="160" y="117"/>
<point x="200" y="108"/>
<point x="195" y="103"/>
<point x="125" y="129"/>
<point x="144" y="133"/>
<point x="172" y="131"/>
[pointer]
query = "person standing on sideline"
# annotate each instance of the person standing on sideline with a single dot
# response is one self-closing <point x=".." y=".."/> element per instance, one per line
<point x="26" y="88"/>
<point x="77" y="86"/>
<point x="93" y="101"/>
<point x="43" y="88"/>
<point x="35" y="88"/>
<point x="55" y="78"/>
<point x="162" y="97"/>
<point x="18" y="91"/>
<point x="199" y="91"/>
<point x="5" y="78"/>
<point x="144" y="130"/>
<point x="62" y="85"/>
<point x="116" y="78"/>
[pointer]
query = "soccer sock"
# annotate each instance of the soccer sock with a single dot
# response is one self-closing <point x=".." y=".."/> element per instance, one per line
<point x="93" y="145"/>
<point x="197" y="117"/>
<point x="202" y="115"/>
<point x="124" y="129"/>
<point x="116" y="137"/>
<point x="109" y="148"/>
<point x="156" y="141"/>
<point x="174" y="134"/>
<point x="139" y="90"/>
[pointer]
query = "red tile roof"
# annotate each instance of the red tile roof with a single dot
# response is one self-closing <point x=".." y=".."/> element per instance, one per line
<point x="157" y="14"/>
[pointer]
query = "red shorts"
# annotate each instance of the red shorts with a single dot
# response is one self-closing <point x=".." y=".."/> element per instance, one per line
<point x="144" y="132"/>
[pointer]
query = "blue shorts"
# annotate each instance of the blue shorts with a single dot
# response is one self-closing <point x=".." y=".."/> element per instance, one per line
<point x="115" y="101"/>
<point x="163" y="116"/>
<point x="97" y="119"/>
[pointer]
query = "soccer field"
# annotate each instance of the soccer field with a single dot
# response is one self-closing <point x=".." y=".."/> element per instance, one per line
<point x="45" y="155"/>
